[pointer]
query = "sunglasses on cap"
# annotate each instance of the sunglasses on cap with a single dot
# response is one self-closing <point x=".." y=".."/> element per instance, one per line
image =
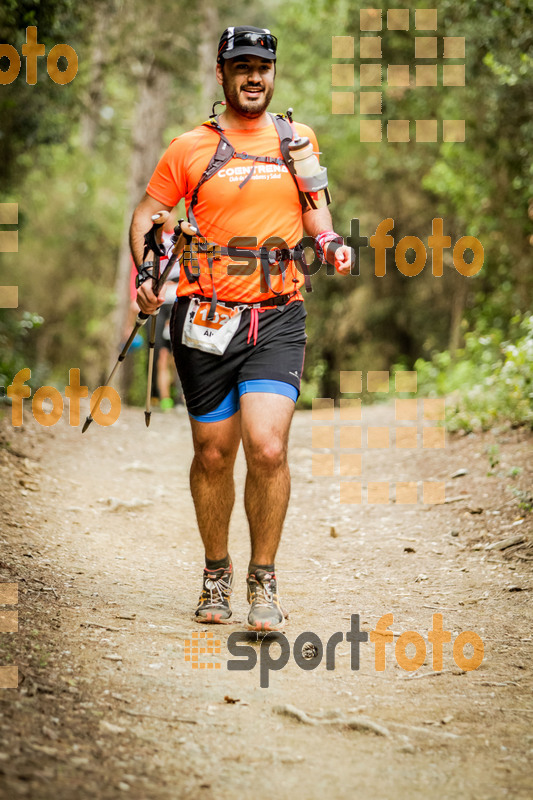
<point x="235" y="42"/>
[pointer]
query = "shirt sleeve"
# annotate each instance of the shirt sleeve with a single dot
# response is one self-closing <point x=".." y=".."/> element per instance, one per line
<point x="168" y="183"/>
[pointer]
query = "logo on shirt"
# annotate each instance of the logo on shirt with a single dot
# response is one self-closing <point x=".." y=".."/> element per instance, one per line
<point x="261" y="172"/>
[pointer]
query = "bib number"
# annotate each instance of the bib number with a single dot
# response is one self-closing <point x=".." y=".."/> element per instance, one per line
<point x="211" y="336"/>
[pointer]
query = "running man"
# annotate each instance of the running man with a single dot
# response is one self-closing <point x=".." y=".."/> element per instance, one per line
<point x="238" y="325"/>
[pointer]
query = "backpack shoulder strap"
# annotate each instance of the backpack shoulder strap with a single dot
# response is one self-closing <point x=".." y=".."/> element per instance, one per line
<point x="286" y="134"/>
<point x="222" y="155"/>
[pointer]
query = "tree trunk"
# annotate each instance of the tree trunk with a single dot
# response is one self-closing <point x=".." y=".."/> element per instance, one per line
<point x="210" y="90"/>
<point x="149" y="121"/>
<point x="90" y="118"/>
<point x="460" y="290"/>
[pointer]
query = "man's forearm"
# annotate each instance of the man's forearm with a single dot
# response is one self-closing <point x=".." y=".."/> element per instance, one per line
<point x="141" y="222"/>
<point x="317" y="220"/>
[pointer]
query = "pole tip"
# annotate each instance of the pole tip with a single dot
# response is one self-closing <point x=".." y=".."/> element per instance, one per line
<point x="147" y="417"/>
<point x="86" y="423"/>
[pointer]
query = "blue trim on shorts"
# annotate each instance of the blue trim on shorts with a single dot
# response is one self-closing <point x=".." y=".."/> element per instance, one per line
<point x="230" y="405"/>
<point x="270" y="387"/>
<point x="227" y="408"/>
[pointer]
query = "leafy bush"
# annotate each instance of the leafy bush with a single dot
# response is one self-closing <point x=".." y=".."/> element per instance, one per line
<point x="489" y="381"/>
<point x="17" y="345"/>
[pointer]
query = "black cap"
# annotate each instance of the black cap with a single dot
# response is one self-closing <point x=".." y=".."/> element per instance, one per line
<point x="245" y="40"/>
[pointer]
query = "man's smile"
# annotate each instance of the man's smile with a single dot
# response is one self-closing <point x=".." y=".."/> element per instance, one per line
<point x="252" y="91"/>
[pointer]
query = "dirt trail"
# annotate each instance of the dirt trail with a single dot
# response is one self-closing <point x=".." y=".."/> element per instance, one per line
<point x="109" y="707"/>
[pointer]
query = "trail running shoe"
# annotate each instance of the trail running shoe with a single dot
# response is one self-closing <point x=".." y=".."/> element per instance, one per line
<point x="213" y="605"/>
<point x="266" y="612"/>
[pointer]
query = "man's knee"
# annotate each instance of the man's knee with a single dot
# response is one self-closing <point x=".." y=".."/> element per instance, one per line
<point x="212" y="457"/>
<point x="266" y="455"/>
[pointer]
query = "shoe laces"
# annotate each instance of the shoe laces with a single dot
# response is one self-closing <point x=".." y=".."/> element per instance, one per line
<point x="262" y="590"/>
<point x="218" y="587"/>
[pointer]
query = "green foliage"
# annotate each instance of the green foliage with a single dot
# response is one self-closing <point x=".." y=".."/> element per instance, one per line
<point x="36" y="116"/>
<point x="17" y="344"/>
<point x="525" y="499"/>
<point x="66" y="151"/>
<point x="488" y="382"/>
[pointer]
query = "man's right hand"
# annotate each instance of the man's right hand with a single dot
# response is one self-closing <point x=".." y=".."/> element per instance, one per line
<point x="147" y="300"/>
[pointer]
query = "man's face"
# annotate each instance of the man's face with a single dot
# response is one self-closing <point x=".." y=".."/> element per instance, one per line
<point x="248" y="83"/>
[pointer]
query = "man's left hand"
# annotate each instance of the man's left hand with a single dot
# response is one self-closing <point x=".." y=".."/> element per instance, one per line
<point x="344" y="258"/>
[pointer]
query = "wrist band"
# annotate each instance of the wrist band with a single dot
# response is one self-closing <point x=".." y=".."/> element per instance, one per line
<point x="325" y="238"/>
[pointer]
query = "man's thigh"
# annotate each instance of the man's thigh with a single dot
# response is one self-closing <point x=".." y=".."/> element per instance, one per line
<point x="265" y="420"/>
<point x="217" y="440"/>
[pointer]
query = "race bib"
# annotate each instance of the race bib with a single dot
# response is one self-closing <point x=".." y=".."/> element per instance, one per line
<point x="211" y="336"/>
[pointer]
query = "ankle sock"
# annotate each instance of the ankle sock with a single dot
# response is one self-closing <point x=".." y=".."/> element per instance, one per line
<point x="266" y="567"/>
<point x="221" y="562"/>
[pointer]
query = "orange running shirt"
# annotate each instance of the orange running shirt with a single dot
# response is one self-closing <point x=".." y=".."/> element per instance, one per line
<point x="267" y="206"/>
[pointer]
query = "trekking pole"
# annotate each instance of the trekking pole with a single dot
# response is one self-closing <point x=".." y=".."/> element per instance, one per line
<point x="183" y="232"/>
<point x="151" y="351"/>
<point x="155" y="246"/>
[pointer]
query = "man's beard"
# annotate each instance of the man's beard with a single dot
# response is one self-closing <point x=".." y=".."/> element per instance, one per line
<point x="251" y="109"/>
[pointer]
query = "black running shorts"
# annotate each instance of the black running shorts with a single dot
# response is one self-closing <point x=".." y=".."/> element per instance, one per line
<point x="277" y="355"/>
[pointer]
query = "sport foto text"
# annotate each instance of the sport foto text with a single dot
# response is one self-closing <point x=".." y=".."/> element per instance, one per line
<point x="380" y="637"/>
<point x="17" y="391"/>
<point x="33" y="50"/>
<point x="245" y="261"/>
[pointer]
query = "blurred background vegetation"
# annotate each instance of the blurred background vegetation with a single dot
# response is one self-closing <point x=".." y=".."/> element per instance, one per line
<point x="76" y="159"/>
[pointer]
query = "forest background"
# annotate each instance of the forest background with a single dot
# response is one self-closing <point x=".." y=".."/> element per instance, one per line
<point x="76" y="159"/>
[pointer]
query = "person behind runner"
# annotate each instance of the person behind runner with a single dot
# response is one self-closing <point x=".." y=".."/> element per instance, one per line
<point x="245" y="387"/>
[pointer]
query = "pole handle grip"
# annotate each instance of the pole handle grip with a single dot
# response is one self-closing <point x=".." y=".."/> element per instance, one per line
<point x="160" y="218"/>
